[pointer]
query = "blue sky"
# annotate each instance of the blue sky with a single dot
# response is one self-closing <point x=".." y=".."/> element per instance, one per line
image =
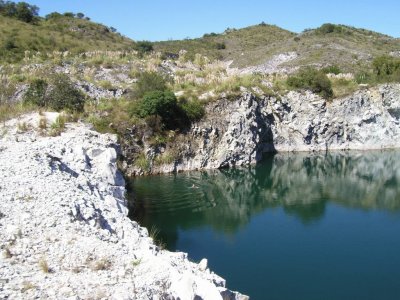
<point x="176" y="19"/>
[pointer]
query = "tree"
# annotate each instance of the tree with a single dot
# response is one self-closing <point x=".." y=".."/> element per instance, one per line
<point x="21" y="11"/>
<point x="53" y="15"/>
<point x="80" y="15"/>
<point x="26" y="12"/>
<point x="69" y="15"/>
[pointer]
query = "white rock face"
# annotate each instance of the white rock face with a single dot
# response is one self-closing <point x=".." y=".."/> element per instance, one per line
<point x="238" y="132"/>
<point x="64" y="230"/>
<point x="274" y="65"/>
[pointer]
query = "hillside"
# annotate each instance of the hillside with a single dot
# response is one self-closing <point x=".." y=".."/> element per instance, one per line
<point x="345" y="46"/>
<point x="58" y="33"/>
<point x="349" y="48"/>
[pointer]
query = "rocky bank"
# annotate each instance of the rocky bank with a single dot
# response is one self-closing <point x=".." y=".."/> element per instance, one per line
<point x="235" y="133"/>
<point x="64" y="230"/>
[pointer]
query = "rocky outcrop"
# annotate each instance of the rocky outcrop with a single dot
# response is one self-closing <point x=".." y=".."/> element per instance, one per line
<point x="64" y="230"/>
<point x="238" y="132"/>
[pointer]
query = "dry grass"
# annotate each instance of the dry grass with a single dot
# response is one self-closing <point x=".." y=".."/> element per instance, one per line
<point x="343" y="87"/>
<point x="10" y="111"/>
<point x="43" y="265"/>
<point x="42" y="41"/>
<point x="7" y="253"/>
<point x="254" y="45"/>
<point x="101" y="264"/>
<point x="27" y="285"/>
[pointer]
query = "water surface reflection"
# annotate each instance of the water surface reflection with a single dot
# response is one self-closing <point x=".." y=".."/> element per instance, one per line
<point x="296" y="226"/>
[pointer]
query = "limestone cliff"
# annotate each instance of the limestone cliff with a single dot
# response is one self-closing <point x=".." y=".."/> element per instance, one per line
<point x="238" y="132"/>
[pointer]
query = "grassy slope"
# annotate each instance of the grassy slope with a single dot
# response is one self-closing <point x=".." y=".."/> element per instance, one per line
<point x="351" y="49"/>
<point x="61" y="34"/>
<point x="247" y="41"/>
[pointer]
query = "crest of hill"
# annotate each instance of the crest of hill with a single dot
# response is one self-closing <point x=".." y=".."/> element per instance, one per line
<point x="348" y="47"/>
<point x="58" y="33"/>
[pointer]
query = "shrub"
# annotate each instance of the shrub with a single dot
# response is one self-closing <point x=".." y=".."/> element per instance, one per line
<point x="329" y="28"/>
<point x="63" y="94"/>
<point x="148" y="82"/>
<point x="387" y="68"/>
<point x="343" y="87"/>
<point x="161" y="103"/>
<point x="313" y="80"/>
<point x="10" y="44"/>
<point x="194" y="110"/>
<point x="206" y="35"/>
<point x="142" y="162"/>
<point x="36" y="93"/>
<point x="53" y="15"/>
<point x="332" y="70"/>
<point x="220" y="46"/>
<point x="144" y="47"/>
<point x="69" y="15"/>
<point x="60" y="95"/>
<point x="162" y="111"/>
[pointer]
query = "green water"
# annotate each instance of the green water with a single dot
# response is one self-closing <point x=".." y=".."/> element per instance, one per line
<point x="296" y="226"/>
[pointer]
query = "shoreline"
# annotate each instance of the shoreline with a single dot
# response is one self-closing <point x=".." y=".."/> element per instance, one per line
<point x="65" y="231"/>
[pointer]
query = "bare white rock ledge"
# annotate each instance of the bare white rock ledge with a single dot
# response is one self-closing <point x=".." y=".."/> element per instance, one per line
<point x="64" y="228"/>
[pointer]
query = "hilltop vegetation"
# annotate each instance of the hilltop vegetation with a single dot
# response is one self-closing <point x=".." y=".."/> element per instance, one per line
<point x="231" y="44"/>
<point x="23" y="33"/>
<point x="21" y="11"/>
<point x="165" y="85"/>
<point x="348" y="47"/>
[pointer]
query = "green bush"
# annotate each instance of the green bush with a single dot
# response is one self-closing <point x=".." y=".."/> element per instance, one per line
<point x="60" y="94"/>
<point x="329" y="28"/>
<point x="220" y="46"/>
<point x="162" y="110"/>
<point x="144" y="47"/>
<point x="163" y="104"/>
<point x="10" y="44"/>
<point x="53" y="15"/>
<point x="149" y="82"/>
<point x="387" y="68"/>
<point x="193" y="110"/>
<point x="63" y="94"/>
<point x="36" y="93"/>
<point x="312" y="79"/>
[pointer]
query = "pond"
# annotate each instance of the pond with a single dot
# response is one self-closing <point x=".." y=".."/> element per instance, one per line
<point x="296" y="226"/>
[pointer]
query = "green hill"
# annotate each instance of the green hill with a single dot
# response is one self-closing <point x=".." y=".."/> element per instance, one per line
<point x="330" y="44"/>
<point x="60" y="33"/>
